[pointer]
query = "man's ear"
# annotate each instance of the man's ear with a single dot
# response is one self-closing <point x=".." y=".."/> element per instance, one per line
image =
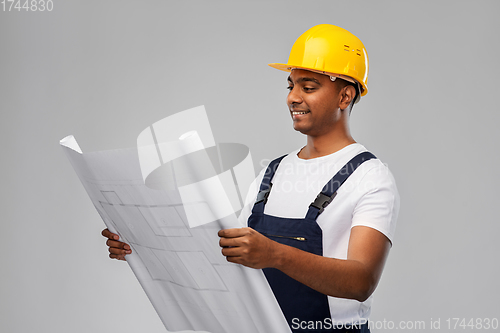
<point x="347" y="95"/>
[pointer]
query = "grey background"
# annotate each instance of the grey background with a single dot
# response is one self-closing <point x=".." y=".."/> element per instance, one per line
<point x="104" y="70"/>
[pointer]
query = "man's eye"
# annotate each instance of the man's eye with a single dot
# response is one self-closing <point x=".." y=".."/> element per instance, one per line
<point x="308" y="89"/>
<point x="289" y="88"/>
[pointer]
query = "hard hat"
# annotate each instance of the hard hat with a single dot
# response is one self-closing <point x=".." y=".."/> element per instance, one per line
<point x="330" y="50"/>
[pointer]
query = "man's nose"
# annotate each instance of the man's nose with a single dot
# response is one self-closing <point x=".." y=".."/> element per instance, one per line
<point x="294" y="96"/>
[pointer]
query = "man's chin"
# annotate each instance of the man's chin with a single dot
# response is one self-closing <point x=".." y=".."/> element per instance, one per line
<point x="300" y="129"/>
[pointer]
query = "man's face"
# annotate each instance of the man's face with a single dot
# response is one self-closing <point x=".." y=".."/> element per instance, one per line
<point x="313" y="102"/>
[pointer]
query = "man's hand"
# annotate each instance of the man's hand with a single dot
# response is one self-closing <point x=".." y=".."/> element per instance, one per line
<point x="248" y="247"/>
<point x="117" y="250"/>
<point x="355" y="277"/>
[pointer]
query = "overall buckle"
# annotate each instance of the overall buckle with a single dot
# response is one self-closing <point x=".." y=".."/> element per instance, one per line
<point x="322" y="201"/>
<point x="263" y="195"/>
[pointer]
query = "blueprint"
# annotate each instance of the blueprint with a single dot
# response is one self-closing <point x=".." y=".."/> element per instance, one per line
<point x="168" y="197"/>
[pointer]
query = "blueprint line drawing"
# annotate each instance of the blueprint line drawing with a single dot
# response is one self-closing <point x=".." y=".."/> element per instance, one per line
<point x="167" y="198"/>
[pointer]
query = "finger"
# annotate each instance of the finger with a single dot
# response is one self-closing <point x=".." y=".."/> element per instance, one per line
<point x="231" y="252"/>
<point x="108" y="234"/>
<point x="225" y="242"/>
<point x="116" y="251"/>
<point x="235" y="260"/>
<point x="119" y="246"/>
<point x="116" y="256"/>
<point x="115" y="244"/>
<point x="235" y="232"/>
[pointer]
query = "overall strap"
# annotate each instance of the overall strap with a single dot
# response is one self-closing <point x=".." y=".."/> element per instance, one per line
<point x="329" y="191"/>
<point x="265" y="186"/>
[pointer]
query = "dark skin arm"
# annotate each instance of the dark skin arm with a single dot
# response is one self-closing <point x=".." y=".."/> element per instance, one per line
<point x="353" y="278"/>
<point x="117" y="250"/>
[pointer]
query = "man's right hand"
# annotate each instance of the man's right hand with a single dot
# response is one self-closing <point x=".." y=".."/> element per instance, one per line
<point x="117" y="250"/>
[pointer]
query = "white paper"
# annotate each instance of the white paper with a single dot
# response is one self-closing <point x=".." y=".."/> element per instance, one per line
<point x="176" y="257"/>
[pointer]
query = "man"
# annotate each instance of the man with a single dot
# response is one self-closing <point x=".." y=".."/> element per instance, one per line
<point x="322" y="263"/>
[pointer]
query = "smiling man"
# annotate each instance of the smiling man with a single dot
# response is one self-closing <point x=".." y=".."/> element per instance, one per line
<point x="323" y="221"/>
<point x="326" y="128"/>
<point x="322" y="224"/>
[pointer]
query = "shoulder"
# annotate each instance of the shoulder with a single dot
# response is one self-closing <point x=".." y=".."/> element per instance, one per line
<point x="377" y="199"/>
<point x="374" y="174"/>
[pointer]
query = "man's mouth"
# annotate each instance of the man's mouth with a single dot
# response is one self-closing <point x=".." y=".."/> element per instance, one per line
<point x="299" y="112"/>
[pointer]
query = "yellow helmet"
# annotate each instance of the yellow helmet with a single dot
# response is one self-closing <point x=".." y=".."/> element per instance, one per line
<point x="330" y="50"/>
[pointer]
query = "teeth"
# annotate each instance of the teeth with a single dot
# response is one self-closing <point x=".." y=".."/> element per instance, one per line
<point x="297" y="112"/>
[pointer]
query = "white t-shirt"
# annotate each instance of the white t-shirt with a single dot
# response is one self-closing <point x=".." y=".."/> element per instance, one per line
<point x="369" y="197"/>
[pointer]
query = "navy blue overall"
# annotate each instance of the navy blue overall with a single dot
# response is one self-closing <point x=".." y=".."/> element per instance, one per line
<point x="296" y="299"/>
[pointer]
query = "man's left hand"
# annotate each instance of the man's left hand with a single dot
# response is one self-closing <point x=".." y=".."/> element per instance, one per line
<point x="247" y="247"/>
